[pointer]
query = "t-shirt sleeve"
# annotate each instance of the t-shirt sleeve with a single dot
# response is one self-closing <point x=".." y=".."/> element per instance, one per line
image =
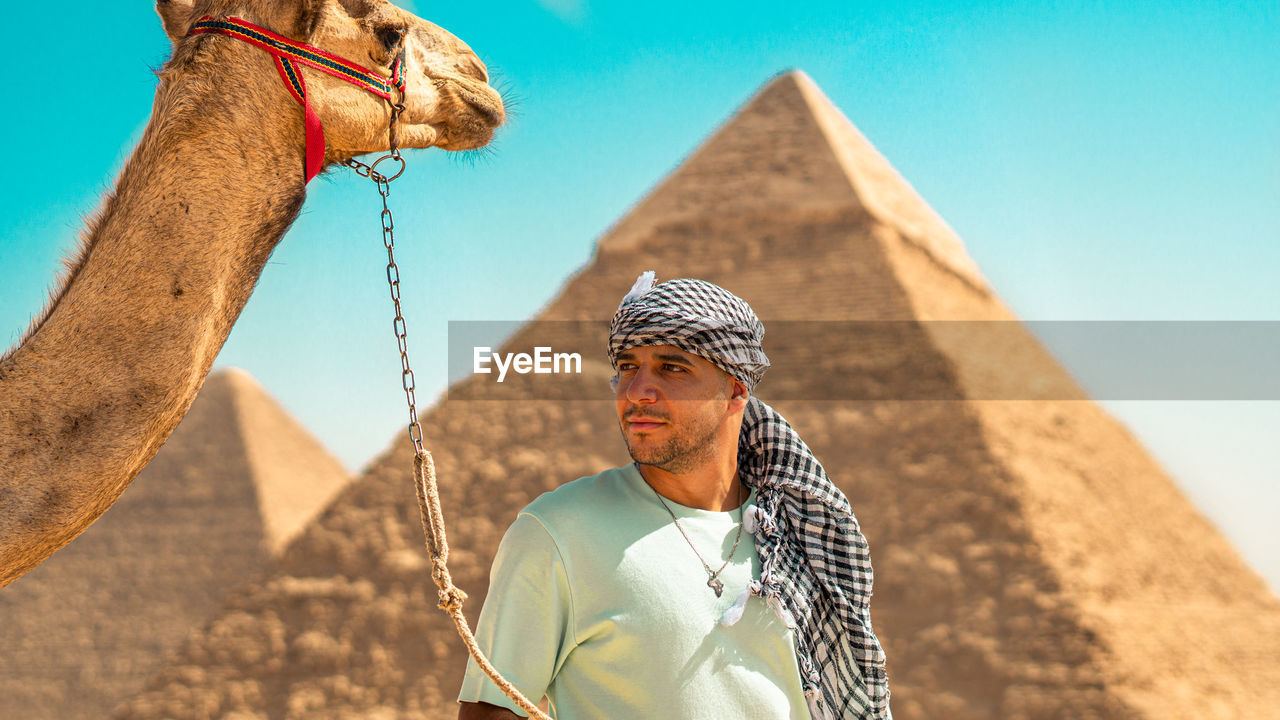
<point x="526" y="625"/>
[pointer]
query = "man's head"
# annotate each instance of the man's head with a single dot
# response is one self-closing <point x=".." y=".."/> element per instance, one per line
<point x="686" y="355"/>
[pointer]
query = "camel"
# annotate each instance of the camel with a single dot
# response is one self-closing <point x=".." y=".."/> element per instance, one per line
<point x="105" y="373"/>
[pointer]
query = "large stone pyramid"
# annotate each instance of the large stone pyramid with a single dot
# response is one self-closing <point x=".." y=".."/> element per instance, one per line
<point x="233" y="484"/>
<point x="1032" y="560"/>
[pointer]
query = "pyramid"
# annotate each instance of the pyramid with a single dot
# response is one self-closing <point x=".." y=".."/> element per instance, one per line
<point x="1032" y="561"/>
<point x="229" y="489"/>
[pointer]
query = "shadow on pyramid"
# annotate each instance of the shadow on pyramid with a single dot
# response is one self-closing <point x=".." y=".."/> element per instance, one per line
<point x="1032" y="561"/>
<point x="232" y="485"/>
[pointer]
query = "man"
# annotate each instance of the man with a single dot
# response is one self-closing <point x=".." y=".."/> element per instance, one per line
<point x="721" y="575"/>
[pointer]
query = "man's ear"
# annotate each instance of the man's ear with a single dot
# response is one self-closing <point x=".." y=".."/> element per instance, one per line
<point x="176" y="17"/>
<point x="739" y="395"/>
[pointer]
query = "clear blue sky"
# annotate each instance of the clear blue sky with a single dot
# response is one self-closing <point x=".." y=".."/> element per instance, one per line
<point x="1100" y="162"/>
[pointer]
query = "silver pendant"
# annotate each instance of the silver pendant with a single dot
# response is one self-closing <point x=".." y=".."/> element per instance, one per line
<point x="714" y="583"/>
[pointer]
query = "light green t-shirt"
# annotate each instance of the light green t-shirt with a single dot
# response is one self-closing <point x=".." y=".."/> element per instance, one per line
<point x="597" y="601"/>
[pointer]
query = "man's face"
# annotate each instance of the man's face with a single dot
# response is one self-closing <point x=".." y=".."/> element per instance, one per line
<point x="671" y="404"/>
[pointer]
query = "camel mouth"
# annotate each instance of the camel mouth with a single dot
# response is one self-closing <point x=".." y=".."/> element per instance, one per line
<point x="478" y="112"/>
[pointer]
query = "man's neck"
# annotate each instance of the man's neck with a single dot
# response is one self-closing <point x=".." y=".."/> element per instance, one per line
<point x="712" y="486"/>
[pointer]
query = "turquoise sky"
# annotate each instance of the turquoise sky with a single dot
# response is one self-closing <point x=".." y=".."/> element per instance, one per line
<point x="1100" y="162"/>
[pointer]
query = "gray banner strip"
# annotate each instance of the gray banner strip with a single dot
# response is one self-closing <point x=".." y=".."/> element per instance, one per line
<point x="905" y="360"/>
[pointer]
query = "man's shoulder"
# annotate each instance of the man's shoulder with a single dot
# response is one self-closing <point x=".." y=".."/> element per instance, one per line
<point x="602" y="492"/>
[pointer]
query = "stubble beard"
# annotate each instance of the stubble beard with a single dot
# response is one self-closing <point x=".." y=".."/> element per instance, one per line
<point x="680" y="453"/>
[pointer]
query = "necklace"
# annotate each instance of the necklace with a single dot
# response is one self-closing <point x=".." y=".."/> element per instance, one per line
<point x="713" y="581"/>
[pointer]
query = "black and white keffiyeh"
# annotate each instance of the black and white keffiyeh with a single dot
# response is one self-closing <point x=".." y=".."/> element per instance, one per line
<point x="696" y="317"/>
<point x="814" y="560"/>
<point x="815" y="563"/>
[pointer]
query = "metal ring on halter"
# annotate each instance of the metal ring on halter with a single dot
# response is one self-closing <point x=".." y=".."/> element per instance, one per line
<point x="388" y="178"/>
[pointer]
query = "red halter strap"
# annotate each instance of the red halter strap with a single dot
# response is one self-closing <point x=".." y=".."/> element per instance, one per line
<point x="288" y="54"/>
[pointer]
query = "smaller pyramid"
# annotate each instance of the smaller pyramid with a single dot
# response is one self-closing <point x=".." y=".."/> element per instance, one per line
<point x="233" y="484"/>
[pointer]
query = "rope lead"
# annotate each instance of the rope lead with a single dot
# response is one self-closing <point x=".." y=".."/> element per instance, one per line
<point x="451" y="597"/>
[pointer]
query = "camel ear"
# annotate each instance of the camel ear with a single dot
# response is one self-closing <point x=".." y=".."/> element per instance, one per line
<point x="176" y="16"/>
<point x="308" y="17"/>
<point x="296" y="19"/>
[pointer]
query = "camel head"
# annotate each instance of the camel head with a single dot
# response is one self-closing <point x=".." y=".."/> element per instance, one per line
<point x="448" y="101"/>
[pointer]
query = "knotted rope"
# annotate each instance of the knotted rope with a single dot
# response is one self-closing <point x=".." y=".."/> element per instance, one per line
<point x="451" y="597"/>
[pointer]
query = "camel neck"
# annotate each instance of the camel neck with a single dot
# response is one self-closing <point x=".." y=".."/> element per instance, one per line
<point x="179" y="245"/>
<point x="165" y="270"/>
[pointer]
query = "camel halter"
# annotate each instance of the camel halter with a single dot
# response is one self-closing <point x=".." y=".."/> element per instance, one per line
<point x="288" y="54"/>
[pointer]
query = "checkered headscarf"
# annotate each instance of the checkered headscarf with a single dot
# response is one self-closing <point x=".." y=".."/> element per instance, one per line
<point x="696" y="317"/>
<point x="815" y="564"/>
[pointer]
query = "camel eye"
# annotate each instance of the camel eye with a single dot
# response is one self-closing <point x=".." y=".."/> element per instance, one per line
<point x="390" y="37"/>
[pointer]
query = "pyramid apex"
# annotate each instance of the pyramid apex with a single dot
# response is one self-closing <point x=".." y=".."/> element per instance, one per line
<point x="231" y="372"/>
<point x="294" y="474"/>
<point x="232" y="377"/>
<point x="793" y="76"/>
<point x="787" y="82"/>
<point x="228" y="382"/>
<point x="769" y="157"/>
<point x="789" y="151"/>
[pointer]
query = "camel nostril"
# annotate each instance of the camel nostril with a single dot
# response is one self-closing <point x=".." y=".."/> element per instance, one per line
<point x="471" y="66"/>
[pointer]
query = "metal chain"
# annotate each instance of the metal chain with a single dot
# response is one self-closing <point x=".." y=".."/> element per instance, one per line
<point x="383" y="182"/>
<point x="451" y="597"/>
<point x="713" y="577"/>
<point x="393" y="281"/>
